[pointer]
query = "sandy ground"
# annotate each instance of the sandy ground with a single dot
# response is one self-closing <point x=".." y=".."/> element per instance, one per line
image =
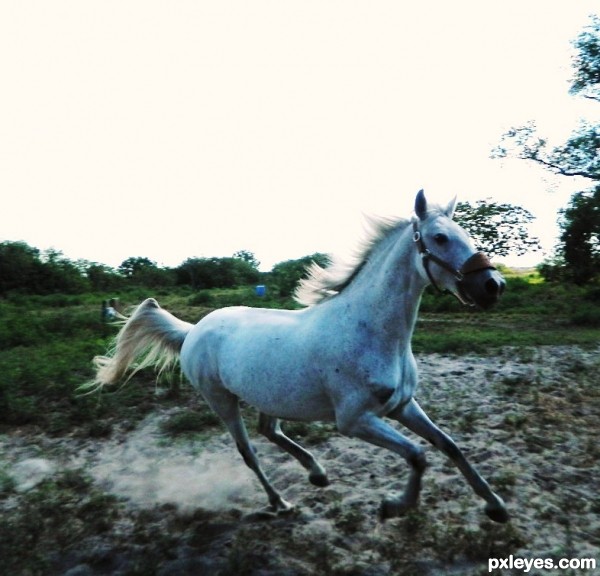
<point x="528" y="419"/>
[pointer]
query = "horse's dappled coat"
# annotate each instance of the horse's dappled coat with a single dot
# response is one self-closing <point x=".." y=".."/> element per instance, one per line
<point x="345" y="358"/>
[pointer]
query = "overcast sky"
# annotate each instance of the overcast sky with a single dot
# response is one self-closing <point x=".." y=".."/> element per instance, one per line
<point x="199" y="128"/>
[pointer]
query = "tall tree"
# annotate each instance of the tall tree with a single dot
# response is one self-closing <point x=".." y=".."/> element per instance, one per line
<point x="20" y="267"/>
<point x="586" y="79"/>
<point x="135" y="265"/>
<point x="142" y="271"/>
<point x="287" y="274"/>
<point x="580" y="238"/>
<point x="217" y="272"/>
<point x="247" y="256"/>
<point x="26" y="269"/>
<point x="578" y="156"/>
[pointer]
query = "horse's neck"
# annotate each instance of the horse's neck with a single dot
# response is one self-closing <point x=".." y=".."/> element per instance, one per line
<point x="388" y="289"/>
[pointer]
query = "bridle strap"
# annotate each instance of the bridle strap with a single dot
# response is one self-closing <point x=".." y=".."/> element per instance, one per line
<point x="475" y="263"/>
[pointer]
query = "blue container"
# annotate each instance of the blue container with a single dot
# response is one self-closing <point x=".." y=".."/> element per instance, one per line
<point x="261" y="290"/>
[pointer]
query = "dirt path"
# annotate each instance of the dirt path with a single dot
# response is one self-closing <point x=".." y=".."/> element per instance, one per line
<point x="528" y="419"/>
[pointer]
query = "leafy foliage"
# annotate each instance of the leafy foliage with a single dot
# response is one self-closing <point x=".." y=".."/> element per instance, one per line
<point x="102" y="277"/>
<point x="248" y="257"/>
<point x="19" y="266"/>
<point x="26" y="269"/>
<point x="203" y="273"/>
<point x="145" y="272"/>
<point x="586" y="80"/>
<point x="581" y="236"/>
<point x="497" y="229"/>
<point x="576" y="157"/>
<point x="287" y="274"/>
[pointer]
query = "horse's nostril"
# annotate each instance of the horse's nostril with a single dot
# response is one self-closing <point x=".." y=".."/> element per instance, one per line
<point x="502" y="287"/>
<point x="493" y="288"/>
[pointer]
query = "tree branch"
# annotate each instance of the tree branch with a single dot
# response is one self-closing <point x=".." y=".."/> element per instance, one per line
<point x="563" y="171"/>
<point x="591" y="97"/>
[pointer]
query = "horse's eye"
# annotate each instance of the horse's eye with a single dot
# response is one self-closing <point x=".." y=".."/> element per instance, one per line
<point x="440" y="238"/>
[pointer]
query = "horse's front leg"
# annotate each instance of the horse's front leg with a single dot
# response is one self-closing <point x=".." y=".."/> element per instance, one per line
<point x="374" y="430"/>
<point x="413" y="417"/>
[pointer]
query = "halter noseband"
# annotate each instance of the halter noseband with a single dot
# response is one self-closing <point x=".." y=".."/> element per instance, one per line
<point x="475" y="263"/>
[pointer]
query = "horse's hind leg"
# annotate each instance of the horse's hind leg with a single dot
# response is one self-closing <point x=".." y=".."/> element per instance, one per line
<point x="269" y="427"/>
<point x="227" y="407"/>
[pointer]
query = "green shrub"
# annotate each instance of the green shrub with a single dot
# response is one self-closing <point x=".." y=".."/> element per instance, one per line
<point x="190" y="421"/>
<point x="592" y="294"/>
<point x="201" y="298"/>
<point x="586" y="315"/>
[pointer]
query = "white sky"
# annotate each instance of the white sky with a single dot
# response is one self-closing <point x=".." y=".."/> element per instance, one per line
<point x="199" y="128"/>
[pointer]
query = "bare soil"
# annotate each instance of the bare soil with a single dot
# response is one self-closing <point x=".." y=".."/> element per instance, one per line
<point x="148" y="503"/>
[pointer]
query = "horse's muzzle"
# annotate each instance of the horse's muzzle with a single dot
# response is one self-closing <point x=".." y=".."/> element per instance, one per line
<point x="482" y="288"/>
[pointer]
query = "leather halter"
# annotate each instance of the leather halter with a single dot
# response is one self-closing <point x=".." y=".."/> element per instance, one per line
<point x="475" y="263"/>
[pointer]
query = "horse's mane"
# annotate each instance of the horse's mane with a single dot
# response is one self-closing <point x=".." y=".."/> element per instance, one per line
<point x="324" y="283"/>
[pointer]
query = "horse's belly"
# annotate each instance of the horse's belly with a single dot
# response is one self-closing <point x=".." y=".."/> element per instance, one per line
<point x="308" y="412"/>
<point x="288" y="398"/>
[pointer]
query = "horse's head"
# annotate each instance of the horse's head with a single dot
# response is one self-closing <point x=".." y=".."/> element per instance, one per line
<point x="448" y="258"/>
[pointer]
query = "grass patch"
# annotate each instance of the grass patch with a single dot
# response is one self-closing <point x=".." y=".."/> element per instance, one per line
<point x="309" y="433"/>
<point x="482" y="334"/>
<point x="190" y="422"/>
<point x="47" y="344"/>
<point x="241" y="296"/>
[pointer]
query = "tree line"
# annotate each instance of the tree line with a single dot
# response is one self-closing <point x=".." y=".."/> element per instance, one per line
<point x="27" y="270"/>
<point x="499" y="229"/>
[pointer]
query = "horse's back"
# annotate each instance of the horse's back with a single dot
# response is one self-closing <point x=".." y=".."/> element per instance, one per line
<point x="265" y="357"/>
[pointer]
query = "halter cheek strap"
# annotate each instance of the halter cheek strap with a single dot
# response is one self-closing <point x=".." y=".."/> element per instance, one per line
<point x="475" y="263"/>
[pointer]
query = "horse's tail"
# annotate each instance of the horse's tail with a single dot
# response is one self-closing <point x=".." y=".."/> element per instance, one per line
<point x="151" y="335"/>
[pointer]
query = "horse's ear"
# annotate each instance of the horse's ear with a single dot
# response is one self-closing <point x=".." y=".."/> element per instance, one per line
<point x="451" y="207"/>
<point x="421" y="205"/>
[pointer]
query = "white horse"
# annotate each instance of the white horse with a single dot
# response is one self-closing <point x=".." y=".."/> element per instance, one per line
<point x="346" y="358"/>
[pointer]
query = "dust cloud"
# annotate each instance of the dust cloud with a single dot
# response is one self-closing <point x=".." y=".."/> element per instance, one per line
<point x="148" y="468"/>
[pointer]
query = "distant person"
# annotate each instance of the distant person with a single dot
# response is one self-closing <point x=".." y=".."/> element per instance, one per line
<point x="114" y="303"/>
<point x="110" y="312"/>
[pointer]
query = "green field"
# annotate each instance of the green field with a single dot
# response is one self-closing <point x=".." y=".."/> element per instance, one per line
<point x="47" y="342"/>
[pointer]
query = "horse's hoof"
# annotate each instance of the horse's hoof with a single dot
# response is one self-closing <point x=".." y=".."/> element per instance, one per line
<point x="318" y="479"/>
<point x="497" y="513"/>
<point x="283" y="508"/>
<point x="271" y="512"/>
<point x="260" y="515"/>
<point x="392" y="508"/>
<point x="286" y="511"/>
